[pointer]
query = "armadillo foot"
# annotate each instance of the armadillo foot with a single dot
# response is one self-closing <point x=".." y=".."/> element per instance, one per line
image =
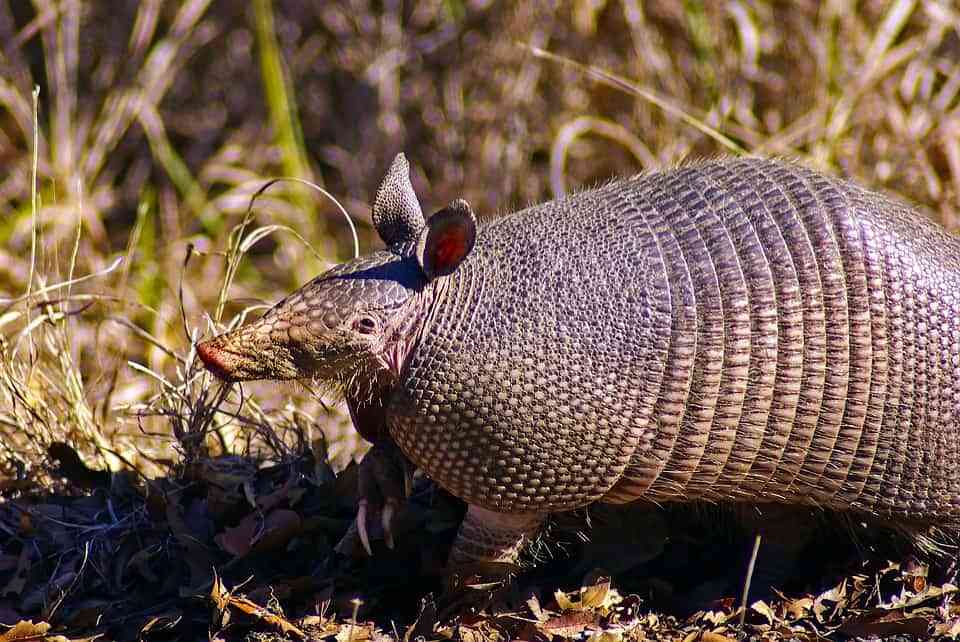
<point x="385" y="483"/>
<point x="489" y="538"/>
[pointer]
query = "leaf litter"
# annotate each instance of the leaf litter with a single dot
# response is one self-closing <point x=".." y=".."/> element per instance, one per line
<point x="232" y="548"/>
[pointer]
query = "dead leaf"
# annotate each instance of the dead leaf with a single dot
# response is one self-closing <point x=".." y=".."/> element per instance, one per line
<point x="27" y="631"/>
<point x="257" y="534"/>
<point x="764" y="609"/>
<point x="822" y="604"/>
<point x="570" y="624"/>
<point x="881" y="623"/>
<point x="471" y="634"/>
<point x="716" y="618"/>
<point x="706" y="636"/>
<point x="949" y="629"/>
<point x="249" y="608"/>
<point x="280" y="526"/>
<point x="164" y="622"/>
<point x="277" y="497"/>
<point x="223" y="600"/>
<point x="355" y="633"/>
<point x="19" y="579"/>
<point x="26" y="526"/>
<point x="195" y="555"/>
<point x="796" y="609"/>
<point x="606" y="636"/>
<point x="916" y="583"/>
<point x="908" y="599"/>
<point x="535" y="609"/>
<point x="563" y="600"/>
<point x="225" y="478"/>
<point x="596" y="595"/>
<point x="238" y="540"/>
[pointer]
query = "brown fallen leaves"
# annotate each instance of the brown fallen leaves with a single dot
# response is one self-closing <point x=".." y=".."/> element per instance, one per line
<point x="228" y="547"/>
<point x="892" y="601"/>
<point x="27" y="631"/>
<point x="596" y="608"/>
<point x="225" y="600"/>
<point x="131" y="558"/>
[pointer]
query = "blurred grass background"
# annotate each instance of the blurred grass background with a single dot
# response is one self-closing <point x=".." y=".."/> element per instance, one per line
<point x="158" y="119"/>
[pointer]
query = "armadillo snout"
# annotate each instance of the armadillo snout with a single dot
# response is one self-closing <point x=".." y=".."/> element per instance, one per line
<point x="215" y="360"/>
<point x="249" y="353"/>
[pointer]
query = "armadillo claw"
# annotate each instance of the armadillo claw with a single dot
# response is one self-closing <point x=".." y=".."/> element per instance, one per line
<point x="407" y="480"/>
<point x="385" y="482"/>
<point x="362" y="526"/>
<point x="386" y="519"/>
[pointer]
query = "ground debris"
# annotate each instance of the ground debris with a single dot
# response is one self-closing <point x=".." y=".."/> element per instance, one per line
<point x="231" y="548"/>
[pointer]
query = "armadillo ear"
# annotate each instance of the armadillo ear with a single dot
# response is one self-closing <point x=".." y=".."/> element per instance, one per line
<point x="396" y="211"/>
<point x="447" y="240"/>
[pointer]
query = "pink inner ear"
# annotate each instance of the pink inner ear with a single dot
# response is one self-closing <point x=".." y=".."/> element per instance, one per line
<point x="449" y="248"/>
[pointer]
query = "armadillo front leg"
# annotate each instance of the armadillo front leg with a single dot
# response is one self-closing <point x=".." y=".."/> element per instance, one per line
<point x="385" y="476"/>
<point x="486" y="536"/>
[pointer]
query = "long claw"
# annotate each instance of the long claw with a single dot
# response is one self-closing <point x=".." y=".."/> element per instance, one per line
<point x="386" y="517"/>
<point x="362" y="526"/>
<point x="407" y="482"/>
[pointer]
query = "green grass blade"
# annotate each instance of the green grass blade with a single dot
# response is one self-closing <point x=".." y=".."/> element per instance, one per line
<point x="280" y="100"/>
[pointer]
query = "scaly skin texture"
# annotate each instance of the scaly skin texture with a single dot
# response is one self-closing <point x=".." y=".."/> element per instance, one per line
<point x="737" y="330"/>
<point x="743" y="330"/>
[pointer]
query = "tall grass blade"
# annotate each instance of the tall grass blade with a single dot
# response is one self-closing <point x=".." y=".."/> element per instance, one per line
<point x="281" y="104"/>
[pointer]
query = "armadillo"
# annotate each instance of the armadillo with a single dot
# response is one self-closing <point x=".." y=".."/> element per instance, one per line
<point x="742" y="330"/>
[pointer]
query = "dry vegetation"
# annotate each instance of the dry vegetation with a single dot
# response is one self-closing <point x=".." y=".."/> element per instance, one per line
<point x="125" y="235"/>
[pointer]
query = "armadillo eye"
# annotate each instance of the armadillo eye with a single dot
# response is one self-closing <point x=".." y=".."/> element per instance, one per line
<point x="365" y="325"/>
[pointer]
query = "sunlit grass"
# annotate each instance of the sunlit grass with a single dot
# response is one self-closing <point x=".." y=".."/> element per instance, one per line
<point x="97" y="350"/>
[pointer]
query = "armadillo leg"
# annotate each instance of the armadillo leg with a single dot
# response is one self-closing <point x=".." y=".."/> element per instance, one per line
<point x="486" y="536"/>
<point x="385" y="480"/>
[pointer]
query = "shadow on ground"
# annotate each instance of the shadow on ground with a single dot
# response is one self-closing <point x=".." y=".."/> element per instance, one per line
<point x="233" y="548"/>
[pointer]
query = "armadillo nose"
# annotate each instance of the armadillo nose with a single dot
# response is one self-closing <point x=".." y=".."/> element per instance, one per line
<point x="214" y="359"/>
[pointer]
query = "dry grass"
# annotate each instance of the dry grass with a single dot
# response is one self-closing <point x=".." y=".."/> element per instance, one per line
<point x="157" y="120"/>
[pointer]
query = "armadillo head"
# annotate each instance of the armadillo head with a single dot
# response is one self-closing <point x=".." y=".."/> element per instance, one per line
<point x="359" y="319"/>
